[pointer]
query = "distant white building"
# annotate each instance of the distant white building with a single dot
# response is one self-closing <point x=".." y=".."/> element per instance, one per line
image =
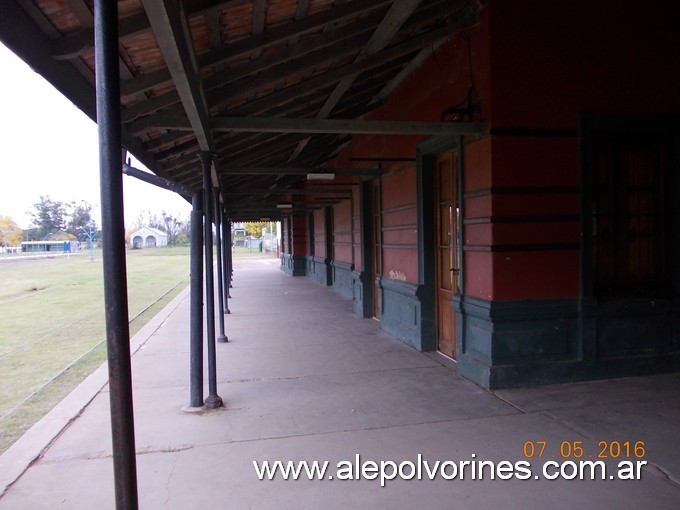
<point x="238" y="233"/>
<point x="147" y="237"/>
<point x="238" y="229"/>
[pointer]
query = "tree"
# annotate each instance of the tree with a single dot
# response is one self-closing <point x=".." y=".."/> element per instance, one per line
<point x="254" y="228"/>
<point x="146" y="219"/>
<point x="49" y="216"/>
<point x="80" y="220"/>
<point x="31" y="234"/>
<point x="139" y="222"/>
<point x="184" y="232"/>
<point x="61" y="235"/>
<point x="155" y="221"/>
<point x="172" y="226"/>
<point x="10" y="233"/>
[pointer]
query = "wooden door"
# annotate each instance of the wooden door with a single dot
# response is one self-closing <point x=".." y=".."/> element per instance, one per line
<point x="447" y="267"/>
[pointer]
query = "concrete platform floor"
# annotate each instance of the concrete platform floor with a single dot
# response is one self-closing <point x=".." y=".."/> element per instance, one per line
<point x="305" y="379"/>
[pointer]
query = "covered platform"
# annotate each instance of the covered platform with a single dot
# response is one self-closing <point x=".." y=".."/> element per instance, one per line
<point x="303" y="378"/>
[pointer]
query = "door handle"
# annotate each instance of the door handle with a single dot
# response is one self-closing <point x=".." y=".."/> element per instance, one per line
<point x="455" y="270"/>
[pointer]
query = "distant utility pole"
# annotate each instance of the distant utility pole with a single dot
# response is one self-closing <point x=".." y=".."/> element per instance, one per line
<point x="4" y="241"/>
<point x="271" y="245"/>
<point x="90" y="234"/>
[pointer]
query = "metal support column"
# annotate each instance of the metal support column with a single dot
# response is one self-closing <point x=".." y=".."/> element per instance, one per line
<point x="230" y="260"/>
<point x="196" y="270"/>
<point x="113" y="234"/>
<point x="222" y="338"/>
<point x="213" y="400"/>
<point x="196" y="293"/>
<point x="226" y="252"/>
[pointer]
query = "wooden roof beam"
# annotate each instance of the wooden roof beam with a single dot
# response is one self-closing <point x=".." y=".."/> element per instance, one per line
<point x="221" y="94"/>
<point x="273" y="203"/>
<point x="315" y="82"/>
<point x="406" y="71"/>
<point x="190" y="158"/>
<point x="336" y="126"/>
<point x="269" y="69"/>
<point x="330" y="77"/>
<point x="259" y="42"/>
<point x="261" y="170"/>
<point x="82" y="12"/>
<point x="384" y="33"/>
<point x="315" y="22"/>
<point x="291" y="191"/>
<point x="169" y="25"/>
<point x="74" y="45"/>
<point x="389" y="26"/>
<point x="212" y="23"/>
<point x="309" y="49"/>
<point x="414" y="64"/>
<point x="262" y="155"/>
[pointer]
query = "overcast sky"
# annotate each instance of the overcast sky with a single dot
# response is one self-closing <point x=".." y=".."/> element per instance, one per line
<point x="49" y="147"/>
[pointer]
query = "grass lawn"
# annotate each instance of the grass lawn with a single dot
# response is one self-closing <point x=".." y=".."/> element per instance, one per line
<point x="53" y="314"/>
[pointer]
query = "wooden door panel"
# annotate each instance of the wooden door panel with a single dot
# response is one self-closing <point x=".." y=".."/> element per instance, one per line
<point x="446" y="258"/>
<point x="377" y="246"/>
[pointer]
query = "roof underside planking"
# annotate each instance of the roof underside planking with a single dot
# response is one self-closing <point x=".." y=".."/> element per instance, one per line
<point x="231" y="77"/>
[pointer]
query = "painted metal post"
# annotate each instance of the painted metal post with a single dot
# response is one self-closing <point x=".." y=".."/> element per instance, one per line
<point x="4" y="241"/>
<point x="196" y="293"/>
<point x="213" y="400"/>
<point x="226" y="234"/>
<point x="226" y="254"/>
<point x="230" y="260"/>
<point x="226" y="240"/>
<point x="226" y="237"/>
<point x="113" y="234"/>
<point x="222" y="338"/>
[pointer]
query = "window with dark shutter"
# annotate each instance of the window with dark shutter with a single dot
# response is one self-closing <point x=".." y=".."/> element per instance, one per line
<point x="630" y="219"/>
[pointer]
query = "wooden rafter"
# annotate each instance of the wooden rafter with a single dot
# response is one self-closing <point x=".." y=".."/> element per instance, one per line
<point x="388" y="27"/>
<point x="268" y="69"/>
<point x="289" y="191"/>
<point x="261" y="170"/>
<point x="268" y="38"/>
<point x="172" y="33"/>
<point x="75" y="44"/>
<point x="339" y="126"/>
<point x="311" y="84"/>
<point x="332" y="76"/>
